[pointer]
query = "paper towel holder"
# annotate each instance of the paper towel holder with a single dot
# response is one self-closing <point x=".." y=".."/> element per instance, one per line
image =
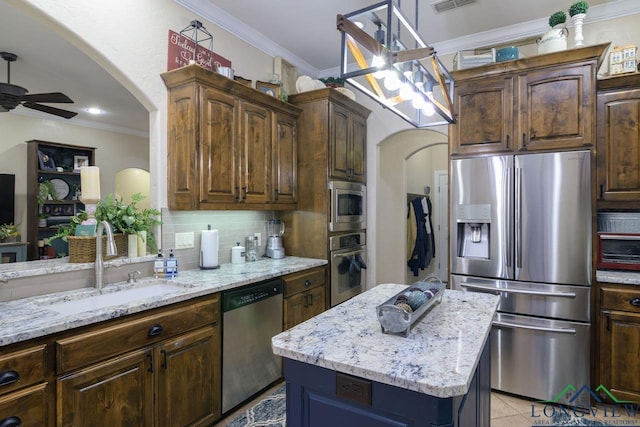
<point x="209" y="260"/>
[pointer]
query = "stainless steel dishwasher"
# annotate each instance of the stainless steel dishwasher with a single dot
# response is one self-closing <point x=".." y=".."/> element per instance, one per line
<point x="251" y="315"/>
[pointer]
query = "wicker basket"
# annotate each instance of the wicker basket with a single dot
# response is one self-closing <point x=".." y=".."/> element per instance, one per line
<point x="83" y="248"/>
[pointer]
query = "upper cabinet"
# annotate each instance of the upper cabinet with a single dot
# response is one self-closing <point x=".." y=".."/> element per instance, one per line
<point x="546" y="102"/>
<point x="347" y="144"/>
<point x="229" y="146"/>
<point x="618" y="148"/>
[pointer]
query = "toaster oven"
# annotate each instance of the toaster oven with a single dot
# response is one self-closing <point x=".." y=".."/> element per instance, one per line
<point x="618" y="251"/>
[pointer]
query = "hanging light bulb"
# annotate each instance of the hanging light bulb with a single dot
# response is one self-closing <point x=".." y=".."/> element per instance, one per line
<point x="428" y="108"/>
<point x="406" y="91"/>
<point x="391" y="81"/>
<point x="378" y="61"/>
<point x="418" y="102"/>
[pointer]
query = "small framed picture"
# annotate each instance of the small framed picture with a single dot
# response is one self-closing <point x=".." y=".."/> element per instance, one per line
<point x="58" y="209"/>
<point x="268" y="88"/>
<point x="46" y="161"/>
<point x="242" y="81"/>
<point x="80" y="161"/>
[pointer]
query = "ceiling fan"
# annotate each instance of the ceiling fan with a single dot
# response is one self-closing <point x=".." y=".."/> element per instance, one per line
<point x="12" y="95"/>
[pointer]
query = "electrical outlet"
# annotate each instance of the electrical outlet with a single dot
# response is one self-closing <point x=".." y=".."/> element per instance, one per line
<point x="185" y="240"/>
<point x="259" y="236"/>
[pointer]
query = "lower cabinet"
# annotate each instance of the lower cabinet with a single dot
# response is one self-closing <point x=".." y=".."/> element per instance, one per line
<point x="304" y="296"/>
<point x="619" y="330"/>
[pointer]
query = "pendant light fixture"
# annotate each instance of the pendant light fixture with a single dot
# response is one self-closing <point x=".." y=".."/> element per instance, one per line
<point x="385" y="57"/>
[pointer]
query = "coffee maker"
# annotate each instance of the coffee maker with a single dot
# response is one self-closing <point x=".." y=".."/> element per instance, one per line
<point x="275" y="230"/>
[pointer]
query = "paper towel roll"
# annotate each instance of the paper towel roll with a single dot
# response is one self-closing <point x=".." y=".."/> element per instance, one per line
<point x="209" y="249"/>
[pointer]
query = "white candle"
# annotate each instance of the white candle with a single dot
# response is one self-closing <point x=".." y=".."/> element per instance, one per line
<point x="90" y="184"/>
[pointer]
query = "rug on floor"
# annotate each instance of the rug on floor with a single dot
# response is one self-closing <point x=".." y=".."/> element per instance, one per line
<point x="269" y="412"/>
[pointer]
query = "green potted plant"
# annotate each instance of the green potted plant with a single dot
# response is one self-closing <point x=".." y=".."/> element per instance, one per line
<point x="579" y="7"/>
<point x="9" y="233"/>
<point x="557" y="18"/>
<point x="332" y="81"/>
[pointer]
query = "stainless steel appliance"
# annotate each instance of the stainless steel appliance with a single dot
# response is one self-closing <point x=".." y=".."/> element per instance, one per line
<point x="251" y="316"/>
<point x="618" y="241"/>
<point x="521" y="228"/>
<point x="275" y="230"/>
<point x="348" y="206"/>
<point x="348" y="255"/>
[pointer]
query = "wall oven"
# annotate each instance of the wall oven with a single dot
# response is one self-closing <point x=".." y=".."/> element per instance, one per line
<point x="348" y="206"/>
<point x="348" y="254"/>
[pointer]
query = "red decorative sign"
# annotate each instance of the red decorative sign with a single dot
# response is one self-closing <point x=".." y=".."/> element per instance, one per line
<point x="181" y="51"/>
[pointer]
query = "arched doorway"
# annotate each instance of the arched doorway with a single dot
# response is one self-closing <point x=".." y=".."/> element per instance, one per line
<point x="399" y="156"/>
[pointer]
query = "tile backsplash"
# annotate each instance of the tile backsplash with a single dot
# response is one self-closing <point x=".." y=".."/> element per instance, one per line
<point x="232" y="226"/>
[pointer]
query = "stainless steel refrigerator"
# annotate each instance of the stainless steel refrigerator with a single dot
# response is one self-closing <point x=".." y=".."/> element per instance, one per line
<point x="521" y="228"/>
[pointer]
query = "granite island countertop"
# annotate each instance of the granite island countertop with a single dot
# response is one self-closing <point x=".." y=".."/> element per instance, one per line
<point x="33" y="317"/>
<point x="438" y="357"/>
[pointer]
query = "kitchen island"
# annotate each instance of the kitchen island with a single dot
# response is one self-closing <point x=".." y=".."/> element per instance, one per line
<point x="341" y="370"/>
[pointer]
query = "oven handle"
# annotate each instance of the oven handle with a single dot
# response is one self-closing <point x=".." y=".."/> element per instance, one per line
<point x="535" y="328"/>
<point x="520" y="291"/>
<point x="343" y="254"/>
<point x="619" y="236"/>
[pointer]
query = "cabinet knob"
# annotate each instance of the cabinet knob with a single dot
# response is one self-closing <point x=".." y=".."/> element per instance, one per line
<point x="307" y="283"/>
<point x="635" y="301"/>
<point x="9" y="377"/>
<point x="11" y="422"/>
<point x="155" y="330"/>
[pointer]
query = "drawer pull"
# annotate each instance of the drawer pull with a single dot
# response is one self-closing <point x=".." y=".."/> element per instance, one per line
<point x="9" y="377"/>
<point x="307" y="283"/>
<point x="155" y="330"/>
<point x="11" y="422"/>
<point x="635" y="301"/>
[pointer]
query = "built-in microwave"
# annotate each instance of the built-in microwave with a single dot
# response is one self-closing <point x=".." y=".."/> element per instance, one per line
<point x="348" y="206"/>
<point x="619" y="251"/>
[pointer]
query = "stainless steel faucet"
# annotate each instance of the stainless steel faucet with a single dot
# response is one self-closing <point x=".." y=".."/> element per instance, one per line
<point x="111" y="250"/>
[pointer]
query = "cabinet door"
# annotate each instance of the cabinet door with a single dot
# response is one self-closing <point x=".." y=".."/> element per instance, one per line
<point x="619" y="350"/>
<point x="189" y="378"/>
<point x="556" y="108"/>
<point x="27" y="408"/>
<point x="219" y="154"/>
<point x="485" y="116"/>
<point x="619" y="146"/>
<point x="358" y="159"/>
<point x="182" y="153"/>
<point x="255" y="153"/>
<point x="118" y="392"/>
<point x="303" y="306"/>
<point x="339" y="142"/>
<point x="285" y="158"/>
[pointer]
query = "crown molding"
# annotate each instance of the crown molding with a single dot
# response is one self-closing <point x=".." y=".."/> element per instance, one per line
<point x="231" y="24"/>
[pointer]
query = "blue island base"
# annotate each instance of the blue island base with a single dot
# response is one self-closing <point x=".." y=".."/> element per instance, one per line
<point x="320" y="397"/>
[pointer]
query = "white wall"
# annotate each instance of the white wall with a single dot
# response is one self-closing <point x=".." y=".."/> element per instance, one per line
<point x="115" y="151"/>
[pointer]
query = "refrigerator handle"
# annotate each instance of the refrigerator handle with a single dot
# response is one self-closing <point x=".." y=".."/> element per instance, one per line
<point x="508" y="255"/>
<point x="518" y="218"/>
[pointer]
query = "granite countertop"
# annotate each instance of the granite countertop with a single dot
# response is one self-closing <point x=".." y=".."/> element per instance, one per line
<point x="438" y="357"/>
<point x="33" y="317"/>
<point x="620" y="277"/>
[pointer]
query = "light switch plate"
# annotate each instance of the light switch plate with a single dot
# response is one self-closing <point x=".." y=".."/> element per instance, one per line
<point x="185" y="240"/>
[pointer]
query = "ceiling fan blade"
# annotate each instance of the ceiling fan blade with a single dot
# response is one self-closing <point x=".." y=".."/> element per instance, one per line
<point x="51" y="110"/>
<point x="55" y="97"/>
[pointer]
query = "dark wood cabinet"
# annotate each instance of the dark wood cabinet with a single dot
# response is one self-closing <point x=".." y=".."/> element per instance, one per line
<point x="618" y="146"/>
<point x="347" y="144"/>
<point x="228" y="145"/>
<point x="24" y="391"/>
<point x="619" y="336"/>
<point x="304" y="296"/>
<point x="162" y="368"/>
<point x="60" y="170"/>
<point x="542" y="103"/>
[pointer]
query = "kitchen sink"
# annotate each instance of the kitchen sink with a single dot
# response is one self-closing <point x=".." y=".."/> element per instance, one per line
<point x="112" y="295"/>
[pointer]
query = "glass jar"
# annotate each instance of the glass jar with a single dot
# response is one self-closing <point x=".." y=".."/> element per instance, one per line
<point x="251" y="248"/>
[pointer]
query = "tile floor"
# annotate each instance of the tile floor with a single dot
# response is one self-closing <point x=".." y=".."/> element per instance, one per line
<point x="506" y="411"/>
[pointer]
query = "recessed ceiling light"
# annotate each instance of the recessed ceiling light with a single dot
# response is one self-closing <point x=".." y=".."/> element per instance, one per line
<point x="94" y="110"/>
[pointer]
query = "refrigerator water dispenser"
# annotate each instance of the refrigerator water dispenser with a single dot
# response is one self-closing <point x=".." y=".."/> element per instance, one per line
<point x="474" y="222"/>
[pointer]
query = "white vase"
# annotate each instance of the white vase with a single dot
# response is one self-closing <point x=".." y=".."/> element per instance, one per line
<point x="553" y="40"/>
<point x="577" y="24"/>
<point x="132" y="245"/>
<point x="142" y="243"/>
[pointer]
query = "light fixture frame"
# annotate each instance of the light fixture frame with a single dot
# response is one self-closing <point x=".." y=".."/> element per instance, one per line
<point x="353" y="37"/>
